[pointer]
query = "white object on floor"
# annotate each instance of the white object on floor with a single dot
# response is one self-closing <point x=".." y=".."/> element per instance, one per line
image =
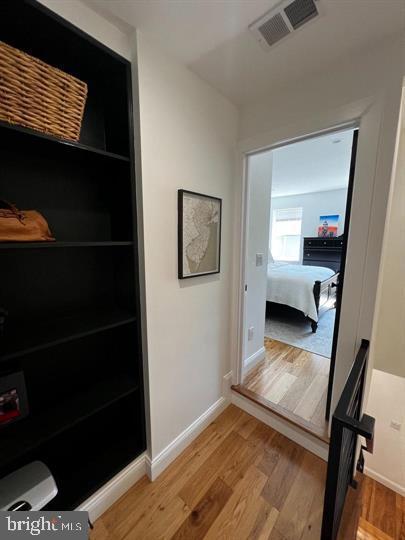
<point x="293" y="285"/>
<point x="33" y="484"/>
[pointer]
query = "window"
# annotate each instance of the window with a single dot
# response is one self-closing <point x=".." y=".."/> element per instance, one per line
<point x="286" y="234"/>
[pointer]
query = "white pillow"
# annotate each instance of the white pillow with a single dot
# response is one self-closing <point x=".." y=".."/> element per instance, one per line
<point x="270" y="259"/>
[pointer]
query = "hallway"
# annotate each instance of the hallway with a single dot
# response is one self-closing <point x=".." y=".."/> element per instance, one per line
<point x="241" y="479"/>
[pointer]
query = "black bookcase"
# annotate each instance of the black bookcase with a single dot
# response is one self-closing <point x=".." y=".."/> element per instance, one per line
<point x="74" y="319"/>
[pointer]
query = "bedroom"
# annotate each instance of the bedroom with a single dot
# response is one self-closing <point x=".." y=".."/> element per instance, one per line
<point x="306" y="184"/>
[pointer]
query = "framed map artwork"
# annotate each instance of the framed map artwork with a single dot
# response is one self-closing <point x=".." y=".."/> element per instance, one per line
<point x="199" y="234"/>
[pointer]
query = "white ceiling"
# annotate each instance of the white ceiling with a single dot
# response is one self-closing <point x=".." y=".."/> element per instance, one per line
<point x="244" y="72"/>
<point x="188" y="29"/>
<point x="211" y="37"/>
<point x="318" y="164"/>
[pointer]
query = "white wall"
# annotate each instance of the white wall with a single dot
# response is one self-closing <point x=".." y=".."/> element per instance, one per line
<point x="387" y="403"/>
<point x="188" y="135"/>
<point x="389" y="344"/>
<point x="259" y="170"/>
<point x="313" y="205"/>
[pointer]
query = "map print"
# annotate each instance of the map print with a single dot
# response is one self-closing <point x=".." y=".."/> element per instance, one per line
<point x="200" y="235"/>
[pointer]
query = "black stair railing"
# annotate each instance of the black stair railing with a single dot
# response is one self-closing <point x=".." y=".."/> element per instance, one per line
<point x="347" y="425"/>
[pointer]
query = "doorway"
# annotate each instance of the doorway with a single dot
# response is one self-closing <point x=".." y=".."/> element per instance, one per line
<point x="298" y="203"/>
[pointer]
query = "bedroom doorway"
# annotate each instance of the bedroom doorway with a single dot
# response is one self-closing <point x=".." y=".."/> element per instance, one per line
<point x="298" y="203"/>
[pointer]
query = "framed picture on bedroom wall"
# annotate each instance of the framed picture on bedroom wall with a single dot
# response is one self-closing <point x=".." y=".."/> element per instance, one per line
<point x="199" y="234"/>
<point x="328" y="226"/>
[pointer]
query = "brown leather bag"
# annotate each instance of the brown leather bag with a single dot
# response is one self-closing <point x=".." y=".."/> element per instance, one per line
<point x="22" y="225"/>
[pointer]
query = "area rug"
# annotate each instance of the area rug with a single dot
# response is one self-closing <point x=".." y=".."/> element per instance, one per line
<point x="296" y="331"/>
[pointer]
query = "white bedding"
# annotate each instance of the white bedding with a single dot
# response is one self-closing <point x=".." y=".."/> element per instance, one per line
<point x="293" y="285"/>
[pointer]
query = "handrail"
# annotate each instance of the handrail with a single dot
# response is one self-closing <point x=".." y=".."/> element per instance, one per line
<point x="347" y="424"/>
<point x="365" y="426"/>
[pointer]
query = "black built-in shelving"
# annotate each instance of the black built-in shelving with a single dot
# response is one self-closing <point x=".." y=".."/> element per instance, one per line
<point x="73" y="325"/>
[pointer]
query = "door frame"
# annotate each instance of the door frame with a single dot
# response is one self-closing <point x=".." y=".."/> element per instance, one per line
<point x="339" y="294"/>
<point x="358" y="299"/>
<point x="246" y="204"/>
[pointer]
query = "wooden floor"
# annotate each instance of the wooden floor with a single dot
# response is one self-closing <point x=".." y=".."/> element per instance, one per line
<point x="292" y="383"/>
<point x="238" y="480"/>
<point x="373" y="512"/>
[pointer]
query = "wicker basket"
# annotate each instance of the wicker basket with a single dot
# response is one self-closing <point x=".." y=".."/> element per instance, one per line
<point x="38" y="96"/>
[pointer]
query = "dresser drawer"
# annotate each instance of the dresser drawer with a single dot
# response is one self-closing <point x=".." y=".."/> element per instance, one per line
<point x="324" y="243"/>
<point x="322" y="254"/>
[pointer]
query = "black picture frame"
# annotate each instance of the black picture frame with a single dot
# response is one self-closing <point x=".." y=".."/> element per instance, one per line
<point x="181" y="193"/>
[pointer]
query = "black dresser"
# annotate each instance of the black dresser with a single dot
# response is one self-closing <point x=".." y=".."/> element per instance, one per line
<point x="323" y="252"/>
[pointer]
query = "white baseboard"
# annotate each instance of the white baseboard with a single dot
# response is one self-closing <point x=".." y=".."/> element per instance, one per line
<point x="158" y="464"/>
<point x="253" y="359"/>
<point x="385" y="481"/>
<point x="102" y="499"/>
<point x="307" y="441"/>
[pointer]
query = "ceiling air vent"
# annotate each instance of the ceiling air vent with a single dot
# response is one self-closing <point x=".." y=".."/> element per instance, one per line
<point x="274" y="29"/>
<point x="300" y="11"/>
<point x="283" y="20"/>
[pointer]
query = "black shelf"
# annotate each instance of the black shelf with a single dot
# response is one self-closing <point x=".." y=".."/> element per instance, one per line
<point x="55" y="245"/>
<point x="54" y="140"/>
<point x="23" y="437"/>
<point x="44" y="334"/>
<point x="73" y="326"/>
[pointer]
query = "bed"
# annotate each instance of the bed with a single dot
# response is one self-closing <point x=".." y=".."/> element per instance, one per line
<point x="304" y="288"/>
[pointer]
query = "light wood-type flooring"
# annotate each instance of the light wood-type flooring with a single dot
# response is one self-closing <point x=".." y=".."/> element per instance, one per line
<point x="239" y="479"/>
<point x="292" y="383"/>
